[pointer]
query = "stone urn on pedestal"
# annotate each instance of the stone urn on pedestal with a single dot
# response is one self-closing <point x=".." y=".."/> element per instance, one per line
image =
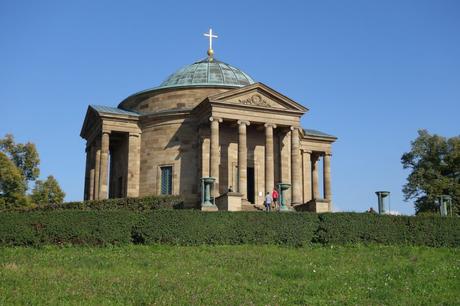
<point x="207" y="186"/>
<point x="282" y="187"/>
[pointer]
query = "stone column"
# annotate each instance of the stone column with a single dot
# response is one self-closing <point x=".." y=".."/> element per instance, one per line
<point x="87" y="169"/>
<point x="104" y="163"/>
<point x="242" y="159"/>
<point x="134" y="146"/>
<point x="214" y="154"/>
<point x="314" y="179"/>
<point x="97" y="167"/>
<point x="306" y="176"/>
<point x="327" y="176"/>
<point x="205" y="144"/>
<point x="269" y="159"/>
<point x="296" y="167"/>
<point x="91" y="172"/>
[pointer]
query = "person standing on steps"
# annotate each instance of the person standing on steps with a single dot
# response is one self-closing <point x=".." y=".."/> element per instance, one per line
<point x="268" y="202"/>
<point x="275" y="197"/>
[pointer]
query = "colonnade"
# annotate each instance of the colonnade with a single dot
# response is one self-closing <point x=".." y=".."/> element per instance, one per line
<point x="311" y="176"/>
<point x="97" y="165"/>
<point x="303" y="167"/>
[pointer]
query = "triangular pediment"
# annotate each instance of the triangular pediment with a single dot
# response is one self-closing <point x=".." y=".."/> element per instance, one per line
<point x="258" y="95"/>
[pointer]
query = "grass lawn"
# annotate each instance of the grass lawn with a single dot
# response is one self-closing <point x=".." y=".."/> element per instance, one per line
<point x="230" y="275"/>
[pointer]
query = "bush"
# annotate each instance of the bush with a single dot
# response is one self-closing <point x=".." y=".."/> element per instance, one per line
<point x="191" y="227"/>
<point x="196" y="227"/>
<point x="64" y="227"/>
<point x="135" y="204"/>
<point x="344" y="228"/>
<point x="185" y="227"/>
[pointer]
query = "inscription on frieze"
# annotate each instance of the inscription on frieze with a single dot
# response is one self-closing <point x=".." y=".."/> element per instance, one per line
<point x="255" y="100"/>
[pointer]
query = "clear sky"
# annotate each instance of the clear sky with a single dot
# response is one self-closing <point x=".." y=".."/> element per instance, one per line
<point x="371" y="73"/>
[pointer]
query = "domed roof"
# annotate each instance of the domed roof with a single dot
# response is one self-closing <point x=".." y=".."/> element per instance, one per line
<point x="208" y="72"/>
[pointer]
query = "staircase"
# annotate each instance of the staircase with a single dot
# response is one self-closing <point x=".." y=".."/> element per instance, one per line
<point x="247" y="206"/>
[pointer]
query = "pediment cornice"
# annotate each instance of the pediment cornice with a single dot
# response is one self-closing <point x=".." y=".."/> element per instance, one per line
<point x="258" y="96"/>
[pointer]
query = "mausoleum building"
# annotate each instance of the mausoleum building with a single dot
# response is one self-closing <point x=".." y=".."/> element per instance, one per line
<point x="208" y="119"/>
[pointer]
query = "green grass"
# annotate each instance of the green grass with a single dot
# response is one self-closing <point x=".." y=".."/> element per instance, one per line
<point x="230" y="275"/>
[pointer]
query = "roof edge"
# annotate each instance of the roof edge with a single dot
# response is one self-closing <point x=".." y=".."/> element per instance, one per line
<point x="166" y="88"/>
<point x="316" y="133"/>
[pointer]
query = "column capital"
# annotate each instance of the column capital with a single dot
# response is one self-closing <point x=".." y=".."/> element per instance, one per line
<point x="328" y="154"/>
<point x="215" y="119"/>
<point x="270" y="125"/>
<point x="240" y="122"/>
<point x="105" y="131"/>
<point x="306" y="151"/>
<point x="134" y="134"/>
<point x="292" y="128"/>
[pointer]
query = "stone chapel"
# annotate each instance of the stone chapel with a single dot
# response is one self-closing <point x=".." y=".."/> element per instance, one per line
<point x="208" y="119"/>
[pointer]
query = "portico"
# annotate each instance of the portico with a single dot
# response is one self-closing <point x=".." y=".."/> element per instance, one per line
<point x="113" y="147"/>
<point x="255" y="130"/>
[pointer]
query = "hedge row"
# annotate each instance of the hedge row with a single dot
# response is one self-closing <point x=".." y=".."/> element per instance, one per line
<point x="185" y="227"/>
<point x="343" y="228"/>
<point x="135" y="204"/>
<point x="188" y="227"/>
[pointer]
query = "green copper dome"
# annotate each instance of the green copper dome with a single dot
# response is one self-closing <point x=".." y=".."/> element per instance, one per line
<point x="208" y="72"/>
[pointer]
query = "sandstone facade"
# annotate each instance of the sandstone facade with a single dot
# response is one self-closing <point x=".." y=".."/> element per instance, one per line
<point x="248" y="137"/>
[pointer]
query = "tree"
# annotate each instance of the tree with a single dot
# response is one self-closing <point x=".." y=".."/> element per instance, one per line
<point x="24" y="156"/>
<point x="12" y="184"/>
<point x="47" y="192"/>
<point x="434" y="162"/>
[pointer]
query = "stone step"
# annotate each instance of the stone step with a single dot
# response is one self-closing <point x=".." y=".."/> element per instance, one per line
<point x="251" y="207"/>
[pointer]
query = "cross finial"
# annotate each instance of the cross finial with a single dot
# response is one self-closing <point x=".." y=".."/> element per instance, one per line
<point x="211" y="36"/>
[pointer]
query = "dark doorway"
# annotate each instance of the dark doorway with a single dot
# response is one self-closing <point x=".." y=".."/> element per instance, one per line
<point x="251" y="194"/>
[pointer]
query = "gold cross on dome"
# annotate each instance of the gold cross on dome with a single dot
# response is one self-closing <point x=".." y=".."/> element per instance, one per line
<point x="211" y="36"/>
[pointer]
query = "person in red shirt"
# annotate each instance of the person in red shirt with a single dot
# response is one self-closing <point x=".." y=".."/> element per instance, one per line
<point x="275" y="197"/>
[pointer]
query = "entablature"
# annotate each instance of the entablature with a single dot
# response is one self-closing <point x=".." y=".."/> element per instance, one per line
<point x="255" y="103"/>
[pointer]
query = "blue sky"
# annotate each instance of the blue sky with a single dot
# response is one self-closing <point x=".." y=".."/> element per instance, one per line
<point x="371" y="73"/>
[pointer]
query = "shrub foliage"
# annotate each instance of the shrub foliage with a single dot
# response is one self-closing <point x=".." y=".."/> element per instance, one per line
<point x="196" y="227"/>
<point x="189" y="227"/>
<point x="134" y="204"/>
<point x="343" y="228"/>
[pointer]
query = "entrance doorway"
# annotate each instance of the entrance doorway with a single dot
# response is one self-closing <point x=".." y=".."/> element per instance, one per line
<point x="250" y="187"/>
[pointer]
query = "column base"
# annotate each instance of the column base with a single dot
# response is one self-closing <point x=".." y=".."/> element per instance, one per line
<point x="209" y="208"/>
<point x="286" y="209"/>
<point x="315" y="205"/>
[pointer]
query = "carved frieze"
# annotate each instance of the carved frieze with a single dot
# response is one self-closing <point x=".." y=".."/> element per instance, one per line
<point x="255" y="100"/>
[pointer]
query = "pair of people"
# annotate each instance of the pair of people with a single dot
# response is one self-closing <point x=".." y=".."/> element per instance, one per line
<point x="271" y="199"/>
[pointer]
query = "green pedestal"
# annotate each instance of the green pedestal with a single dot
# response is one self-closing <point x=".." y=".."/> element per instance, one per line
<point x="207" y="185"/>
<point x="282" y="187"/>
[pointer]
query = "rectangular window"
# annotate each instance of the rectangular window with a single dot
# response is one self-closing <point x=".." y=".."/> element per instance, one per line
<point x="166" y="180"/>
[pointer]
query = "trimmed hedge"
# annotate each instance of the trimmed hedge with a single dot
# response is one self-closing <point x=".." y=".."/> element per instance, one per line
<point x="343" y="228"/>
<point x="189" y="227"/>
<point x="67" y="227"/>
<point x="136" y="204"/>
<point x="196" y="227"/>
<point x="185" y="227"/>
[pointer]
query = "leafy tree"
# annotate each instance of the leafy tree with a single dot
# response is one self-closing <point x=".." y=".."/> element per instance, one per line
<point x="434" y="162"/>
<point x="47" y="192"/>
<point x="24" y="156"/>
<point x="12" y="184"/>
